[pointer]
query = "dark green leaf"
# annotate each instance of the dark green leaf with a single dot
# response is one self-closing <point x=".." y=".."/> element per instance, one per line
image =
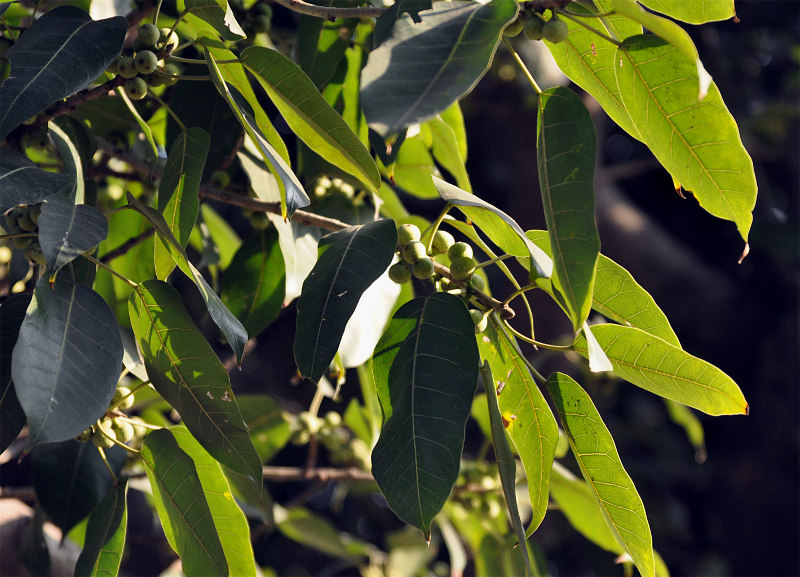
<point x="458" y="39"/>
<point x="322" y="44"/>
<point x="269" y="429"/>
<point x="22" y="182"/>
<point x="105" y="534"/>
<point x="665" y="370"/>
<point x="185" y="370"/>
<point x="693" y="12"/>
<point x="181" y="505"/>
<point x="67" y="230"/>
<point x="565" y="148"/>
<point x="44" y="66"/>
<point x="178" y="198"/>
<point x="219" y="14"/>
<point x="594" y="449"/>
<point x="80" y="135"/>
<point x="385" y="22"/>
<point x="350" y="260"/>
<point x="254" y="284"/>
<point x="12" y="417"/>
<point x="426" y="372"/>
<point x="70" y="479"/>
<point x="66" y="361"/>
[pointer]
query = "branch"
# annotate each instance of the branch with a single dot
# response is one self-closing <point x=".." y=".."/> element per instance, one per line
<point x="71" y="103"/>
<point x="331" y="13"/>
<point x="321" y="474"/>
<point x="127" y="245"/>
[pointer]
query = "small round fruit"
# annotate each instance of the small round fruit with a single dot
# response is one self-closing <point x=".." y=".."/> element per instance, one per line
<point x="259" y="220"/>
<point x="515" y="27"/>
<point x="145" y="62"/>
<point x="84" y="436"/>
<point x="113" y="68"/>
<point x="400" y="273"/>
<point x="136" y="88"/>
<point x="462" y="268"/>
<point x="407" y="233"/>
<point x="220" y="178"/>
<point x="104" y="435"/>
<point x="126" y="67"/>
<point x="22" y="242"/>
<point x="123" y="430"/>
<point x="333" y="419"/>
<point x="170" y="72"/>
<point x="12" y="217"/>
<point x="413" y="251"/>
<point x="555" y="30"/>
<point x="477" y="283"/>
<point x="263" y="9"/>
<point x="423" y="268"/>
<point x="168" y="41"/>
<point x="124" y="397"/>
<point x="148" y="34"/>
<point x="534" y="26"/>
<point x="458" y="250"/>
<point x="262" y="23"/>
<point x="442" y="241"/>
<point x="34" y="213"/>
<point x="34" y="254"/>
<point x="480" y="320"/>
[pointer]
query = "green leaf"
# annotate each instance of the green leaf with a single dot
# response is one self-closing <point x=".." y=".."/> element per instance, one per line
<point x="413" y="166"/>
<point x="506" y="464"/>
<point x="309" y="115"/>
<point x="105" y="534"/>
<point x="594" y="449"/>
<point x="665" y="370"/>
<point x="178" y="192"/>
<point x="229" y="521"/>
<point x="220" y="234"/>
<point x="458" y="39"/>
<point x="182" y="506"/>
<point x="531" y="424"/>
<point x="501" y="228"/>
<point x="269" y="429"/>
<point x="44" y="67"/>
<point x="566" y="155"/>
<point x="67" y="230"/>
<point x="447" y="151"/>
<point x="185" y="370"/>
<point x="302" y="526"/>
<point x="255" y="282"/>
<point x="386" y="21"/>
<point x="322" y="44"/>
<point x="22" y="182"/>
<point x="70" y="479"/>
<point x="693" y="12"/>
<point x="66" y="361"/>
<point x="71" y="162"/>
<point x="350" y="260"/>
<point x="697" y="141"/>
<point x="219" y="14"/>
<point x="598" y="361"/>
<point x="224" y="319"/>
<point x="426" y="372"/>
<point x="683" y="416"/>
<point x="12" y="417"/>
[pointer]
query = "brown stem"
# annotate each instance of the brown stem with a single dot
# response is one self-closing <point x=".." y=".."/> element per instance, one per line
<point x="320" y="474"/>
<point x="71" y="103"/>
<point x="331" y="13"/>
<point x="127" y="245"/>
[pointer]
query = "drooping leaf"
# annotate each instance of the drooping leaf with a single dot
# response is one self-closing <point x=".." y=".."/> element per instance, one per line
<point x="22" y="182"/>
<point x="12" y="417"/>
<point x="80" y="135"/>
<point x="105" y="534"/>
<point x="182" y="506"/>
<point x="269" y="429"/>
<point x="426" y="371"/>
<point x="185" y="370"/>
<point x="594" y="449"/>
<point x="44" y="68"/>
<point x="70" y="479"/>
<point x="253" y="285"/>
<point x="178" y="192"/>
<point x="665" y="370"/>
<point x="697" y="141"/>
<point x="501" y="228"/>
<point x="66" y="361"/>
<point x="413" y="166"/>
<point x="505" y="461"/>
<point x="447" y="151"/>
<point x="565" y="148"/>
<point x="230" y="326"/>
<point x="308" y="114"/>
<point x="302" y="526"/>
<point x="531" y="424"/>
<point x="458" y="39"/>
<point x="218" y="13"/>
<point x="67" y="230"/>
<point x="693" y="12"/>
<point x="683" y="416"/>
<point x="350" y="260"/>
<point x="71" y="160"/>
<point x="229" y="521"/>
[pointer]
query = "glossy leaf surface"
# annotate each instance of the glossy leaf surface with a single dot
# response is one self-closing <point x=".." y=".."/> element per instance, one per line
<point x="661" y="368"/>
<point x="71" y="326"/>
<point x="12" y="417"/>
<point x="185" y="370"/>
<point x="426" y="372"/>
<point x="67" y="230"/>
<point x="350" y="260"/>
<point x="182" y="507"/>
<point x="22" y="182"/>
<point x="105" y="534"/>
<point x="594" y="449"/>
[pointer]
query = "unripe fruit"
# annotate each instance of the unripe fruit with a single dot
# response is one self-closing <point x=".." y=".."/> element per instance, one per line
<point x="34" y="254"/>
<point x="262" y="23"/>
<point x="264" y="9"/>
<point x="22" y="242"/>
<point x="12" y="217"/>
<point x="555" y="30"/>
<point x="480" y="320"/>
<point x="136" y="88"/>
<point x="515" y="27"/>
<point x="534" y="26"/>
<point x="259" y="220"/>
<point x="477" y="283"/>
<point x="112" y="68"/>
<point x="414" y="251"/>
<point x="153" y="80"/>
<point x="333" y="419"/>
<point x="400" y="273"/>
<point x="124" y="397"/>
<point x="168" y="42"/>
<point x="148" y="34"/>
<point x="220" y="178"/>
<point x="458" y="250"/>
<point x="104" y="435"/>
<point x="123" y="430"/>
<point x="126" y="67"/>
<point x="407" y="233"/>
<point x="423" y="268"/>
<point x="442" y="241"/>
<point x="145" y="62"/>
<point x="172" y="70"/>
<point x="462" y="268"/>
<point x="84" y="436"/>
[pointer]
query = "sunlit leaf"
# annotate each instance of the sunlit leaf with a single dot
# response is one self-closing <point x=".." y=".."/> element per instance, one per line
<point x="302" y="526"/>
<point x="71" y="147"/>
<point x="386" y="21"/>
<point x="105" y="534"/>
<point x="693" y="12"/>
<point x="218" y="13"/>
<point x="67" y="230"/>
<point x="447" y="150"/>
<point x="12" y="417"/>
<point x="321" y="44"/>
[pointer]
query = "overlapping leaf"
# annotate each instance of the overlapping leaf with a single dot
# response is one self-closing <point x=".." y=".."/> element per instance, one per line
<point x="218" y="13"/>
<point x="386" y="21"/>
<point x="693" y="12"/>
<point x="22" y="182"/>
<point x="44" y="68"/>
<point x="67" y="230"/>
<point x="661" y="368"/>
<point x="458" y="39"/>
<point x="71" y="160"/>
<point x="105" y="534"/>
<point x="594" y="449"/>
<point x="321" y="44"/>
<point x="350" y="261"/>
<point x="565" y="148"/>
<point x="12" y="417"/>
<point x="185" y="370"/>
<point x="182" y="506"/>
<point x="697" y="141"/>
<point x="426" y="371"/>
<point x="66" y="361"/>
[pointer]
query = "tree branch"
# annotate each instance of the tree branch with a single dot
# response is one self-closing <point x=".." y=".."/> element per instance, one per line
<point x="332" y="12"/>
<point x="320" y="474"/>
